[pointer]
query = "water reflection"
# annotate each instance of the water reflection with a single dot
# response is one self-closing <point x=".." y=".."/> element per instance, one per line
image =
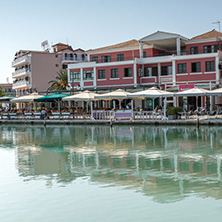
<point x="166" y="163"/>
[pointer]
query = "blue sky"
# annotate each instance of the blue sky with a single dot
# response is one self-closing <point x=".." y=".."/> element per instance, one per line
<point x="90" y="24"/>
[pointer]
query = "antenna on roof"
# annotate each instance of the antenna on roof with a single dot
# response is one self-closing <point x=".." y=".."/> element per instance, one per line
<point x="218" y="23"/>
<point x="7" y="80"/>
<point x="45" y="46"/>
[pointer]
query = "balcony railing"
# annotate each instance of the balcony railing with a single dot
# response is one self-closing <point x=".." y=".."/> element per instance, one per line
<point x="170" y="53"/>
<point x="21" y="72"/>
<point x="21" y="83"/>
<point x="21" y="60"/>
<point x="73" y="59"/>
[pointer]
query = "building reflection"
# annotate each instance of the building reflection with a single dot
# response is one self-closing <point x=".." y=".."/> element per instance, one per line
<point x="166" y="163"/>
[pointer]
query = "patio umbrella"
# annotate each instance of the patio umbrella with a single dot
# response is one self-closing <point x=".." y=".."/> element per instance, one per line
<point x="56" y="97"/>
<point x="192" y="92"/>
<point x="216" y="92"/>
<point x="6" y="99"/>
<point x="153" y="93"/>
<point x="118" y="94"/>
<point x="27" y="98"/>
<point x="86" y="96"/>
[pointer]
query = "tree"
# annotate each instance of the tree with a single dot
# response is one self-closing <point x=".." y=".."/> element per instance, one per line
<point x="2" y="91"/>
<point x="61" y="81"/>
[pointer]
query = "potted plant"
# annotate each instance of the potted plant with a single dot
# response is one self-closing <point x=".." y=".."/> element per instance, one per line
<point x="172" y="112"/>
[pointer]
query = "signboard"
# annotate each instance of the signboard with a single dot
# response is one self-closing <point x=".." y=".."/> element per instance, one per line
<point x="166" y="79"/>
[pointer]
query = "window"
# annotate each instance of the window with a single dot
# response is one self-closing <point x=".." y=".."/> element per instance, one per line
<point x="210" y="66"/>
<point x="56" y="56"/>
<point x="195" y="67"/>
<point x="57" y="65"/>
<point x="114" y="73"/>
<point x="128" y="72"/>
<point x="74" y="76"/>
<point x="194" y="50"/>
<point x="95" y="59"/>
<point x="144" y="54"/>
<point x="106" y="58"/>
<point x="101" y="74"/>
<point x="120" y="57"/>
<point x="182" y="68"/>
<point x="210" y="48"/>
<point x="64" y="66"/>
<point x="151" y="71"/>
<point x="166" y="70"/>
<point x="88" y="75"/>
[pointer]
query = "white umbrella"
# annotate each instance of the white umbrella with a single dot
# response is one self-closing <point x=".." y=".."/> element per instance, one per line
<point x="192" y="92"/>
<point x="84" y="96"/>
<point x="216" y="92"/>
<point x="117" y="94"/>
<point x="153" y="92"/>
<point x="27" y="98"/>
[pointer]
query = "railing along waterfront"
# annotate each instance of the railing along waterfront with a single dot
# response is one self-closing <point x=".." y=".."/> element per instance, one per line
<point x="103" y="115"/>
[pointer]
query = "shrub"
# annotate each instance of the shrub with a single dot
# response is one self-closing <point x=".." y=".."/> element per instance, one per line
<point x="174" y="110"/>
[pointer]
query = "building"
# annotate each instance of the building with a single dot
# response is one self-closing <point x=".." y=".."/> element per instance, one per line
<point x="34" y="69"/>
<point x="162" y="59"/>
<point x="8" y="89"/>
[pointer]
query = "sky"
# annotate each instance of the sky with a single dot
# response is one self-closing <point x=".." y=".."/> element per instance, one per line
<point x="92" y="24"/>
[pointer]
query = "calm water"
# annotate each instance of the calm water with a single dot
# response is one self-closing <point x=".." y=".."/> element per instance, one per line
<point x="98" y="173"/>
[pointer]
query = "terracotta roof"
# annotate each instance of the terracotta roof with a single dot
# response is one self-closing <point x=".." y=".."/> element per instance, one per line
<point x="6" y="84"/>
<point x="78" y="50"/>
<point x="210" y="34"/>
<point x="119" y="45"/>
<point x="69" y="48"/>
<point x="62" y="44"/>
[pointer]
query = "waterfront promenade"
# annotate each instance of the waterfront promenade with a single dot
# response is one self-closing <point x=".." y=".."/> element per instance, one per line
<point x="203" y="120"/>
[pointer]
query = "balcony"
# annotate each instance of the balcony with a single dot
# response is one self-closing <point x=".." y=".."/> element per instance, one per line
<point x="21" y="60"/>
<point x="70" y="59"/>
<point x="21" y="84"/>
<point x="21" y="72"/>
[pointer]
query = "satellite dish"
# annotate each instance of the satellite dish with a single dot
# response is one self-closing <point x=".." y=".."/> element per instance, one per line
<point x="45" y="46"/>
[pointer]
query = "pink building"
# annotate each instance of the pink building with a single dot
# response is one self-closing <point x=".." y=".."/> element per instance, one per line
<point x="34" y="69"/>
<point x="162" y="59"/>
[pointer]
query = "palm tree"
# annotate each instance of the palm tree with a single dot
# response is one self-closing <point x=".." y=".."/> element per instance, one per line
<point x="61" y="81"/>
<point x="2" y="92"/>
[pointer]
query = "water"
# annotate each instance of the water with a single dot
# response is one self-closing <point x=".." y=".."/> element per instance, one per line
<point x="98" y="173"/>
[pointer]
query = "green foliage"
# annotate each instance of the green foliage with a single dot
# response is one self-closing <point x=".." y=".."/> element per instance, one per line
<point x="174" y="110"/>
<point x="2" y="92"/>
<point x="61" y="81"/>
